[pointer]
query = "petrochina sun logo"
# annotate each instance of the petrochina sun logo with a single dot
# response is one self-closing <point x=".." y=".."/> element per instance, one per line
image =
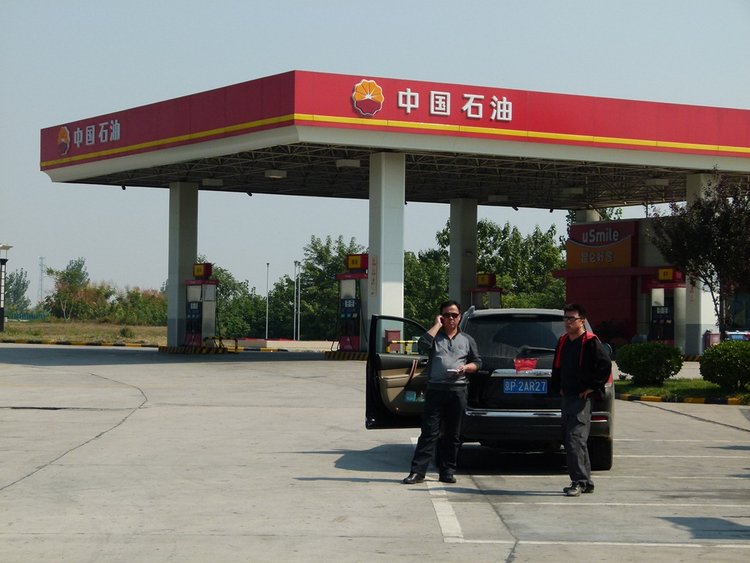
<point x="63" y="140"/>
<point x="368" y="97"/>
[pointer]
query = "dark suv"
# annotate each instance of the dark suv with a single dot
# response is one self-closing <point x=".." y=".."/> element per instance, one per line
<point x="510" y="403"/>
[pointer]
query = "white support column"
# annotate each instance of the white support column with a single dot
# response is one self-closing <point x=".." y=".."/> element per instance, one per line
<point x="696" y="185"/>
<point x="462" y="269"/>
<point x="643" y="314"/>
<point x="587" y="216"/>
<point x="183" y="251"/>
<point x="680" y="304"/>
<point x="657" y="297"/>
<point x="699" y="310"/>
<point x="364" y="315"/>
<point x="386" y="260"/>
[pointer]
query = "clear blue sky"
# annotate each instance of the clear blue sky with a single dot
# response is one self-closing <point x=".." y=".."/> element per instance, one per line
<point x="62" y="61"/>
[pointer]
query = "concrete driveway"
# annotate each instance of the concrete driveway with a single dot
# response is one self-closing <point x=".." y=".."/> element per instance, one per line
<point x="133" y="455"/>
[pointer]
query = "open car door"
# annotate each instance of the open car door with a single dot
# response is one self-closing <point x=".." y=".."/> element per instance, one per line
<point x="395" y="386"/>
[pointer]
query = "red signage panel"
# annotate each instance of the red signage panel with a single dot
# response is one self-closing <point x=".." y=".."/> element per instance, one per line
<point x="251" y="106"/>
<point x="400" y="106"/>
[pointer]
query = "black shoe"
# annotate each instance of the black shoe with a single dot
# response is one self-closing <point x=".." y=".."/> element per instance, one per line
<point x="412" y="479"/>
<point x="582" y="486"/>
<point x="447" y="479"/>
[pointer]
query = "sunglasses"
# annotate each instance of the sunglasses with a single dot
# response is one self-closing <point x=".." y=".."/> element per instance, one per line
<point x="451" y="315"/>
<point x="571" y="319"/>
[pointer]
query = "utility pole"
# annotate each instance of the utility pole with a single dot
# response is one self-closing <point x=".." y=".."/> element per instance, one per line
<point x="41" y="279"/>
<point x="299" y="301"/>
<point x="295" y="323"/>
<point x="268" y="265"/>
<point x="4" y="248"/>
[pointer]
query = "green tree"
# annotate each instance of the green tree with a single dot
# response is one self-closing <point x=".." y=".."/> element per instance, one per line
<point x="537" y="286"/>
<point x="281" y="309"/>
<point x="425" y="284"/>
<point x="140" y="307"/>
<point x="708" y="240"/>
<point x="16" y="286"/>
<point x="95" y="302"/>
<point x="605" y="214"/>
<point x="240" y="310"/>
<point x="319" y="291"/>
<point x="523" y="265"/>
<point x="70" y="284"/>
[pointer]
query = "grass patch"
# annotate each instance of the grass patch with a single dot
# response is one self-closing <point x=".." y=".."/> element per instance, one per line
<point x="60" y="331"/>
<point x="678" y="389"/>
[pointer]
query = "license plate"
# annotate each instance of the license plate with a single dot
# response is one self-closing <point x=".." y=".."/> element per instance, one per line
<point x="524" y="385"/>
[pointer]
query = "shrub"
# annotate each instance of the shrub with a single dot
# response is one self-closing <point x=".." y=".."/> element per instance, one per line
<point x="127" y="332"/>
<point x="728" y="365"/>
<point x="649" y="363"/>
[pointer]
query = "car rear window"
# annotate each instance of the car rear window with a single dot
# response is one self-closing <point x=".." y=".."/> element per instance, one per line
<point x="504" y="335"/>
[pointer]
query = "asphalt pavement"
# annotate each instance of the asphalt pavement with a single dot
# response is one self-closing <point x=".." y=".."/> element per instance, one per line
<point x="134" y="455"/>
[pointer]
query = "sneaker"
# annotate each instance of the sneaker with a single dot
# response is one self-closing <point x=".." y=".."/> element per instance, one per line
<point x="585" y="487"/>
<point x="574" y="490"/>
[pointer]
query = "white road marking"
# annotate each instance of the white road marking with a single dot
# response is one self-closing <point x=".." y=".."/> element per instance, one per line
<point x="681" y="440"/>
<point x="586" y="505"/>
<point x="686" y="456"/>
<point x="451" y="530"/>
<point x="446" y="516"/>
<point x="606" y="544"/>
<point x="599" y="476"/>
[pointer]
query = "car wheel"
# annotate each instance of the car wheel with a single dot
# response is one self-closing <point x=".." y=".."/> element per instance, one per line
<point x="600" y="454"/>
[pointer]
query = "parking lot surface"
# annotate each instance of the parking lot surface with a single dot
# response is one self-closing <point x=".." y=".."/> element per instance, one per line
<point x="134" y="455"/>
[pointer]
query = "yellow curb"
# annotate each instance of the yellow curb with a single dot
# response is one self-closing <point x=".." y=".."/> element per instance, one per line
<point x="694" y="400"/>
<point x="340" y="355"/>
<point x="652" y="398"/>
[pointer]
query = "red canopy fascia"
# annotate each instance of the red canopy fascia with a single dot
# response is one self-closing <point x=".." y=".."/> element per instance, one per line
<point x="301" y="98"/>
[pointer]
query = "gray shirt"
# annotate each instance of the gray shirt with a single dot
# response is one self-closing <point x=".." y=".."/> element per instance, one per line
<point x="448" y="353"/>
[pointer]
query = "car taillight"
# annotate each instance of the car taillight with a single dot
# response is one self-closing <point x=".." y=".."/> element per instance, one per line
<point x="525" y="364"/>
<point x="599" y="418"/>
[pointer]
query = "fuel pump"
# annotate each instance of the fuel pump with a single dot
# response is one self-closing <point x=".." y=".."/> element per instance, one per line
<point x="486" y="294"/>
<point x="350" y="317"/>
<point x="200" y="318"/>
<point x="662" y="324"/>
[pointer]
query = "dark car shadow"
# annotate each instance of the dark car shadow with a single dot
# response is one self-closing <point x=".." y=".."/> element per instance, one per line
<point x="709" y="528"/>
<point x="396" y="458"/>
<point x="56" y="355"/>
<point x="735" y="448"/>
<point x="452" y="488"/>
<point x="475" y="458"/>
<point x="383" y="458"/>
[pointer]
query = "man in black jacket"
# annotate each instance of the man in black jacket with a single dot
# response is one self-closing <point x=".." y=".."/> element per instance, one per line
<point x="582" y="366"/>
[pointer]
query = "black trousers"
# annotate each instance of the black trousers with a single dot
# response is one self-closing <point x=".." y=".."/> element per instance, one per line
<point x="444" y="409"/>
<point x="576" y="423"/>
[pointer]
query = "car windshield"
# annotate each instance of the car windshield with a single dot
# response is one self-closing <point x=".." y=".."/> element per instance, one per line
<point x="504" y="335"/>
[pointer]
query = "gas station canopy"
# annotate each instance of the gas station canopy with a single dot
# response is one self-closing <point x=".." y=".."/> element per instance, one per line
<point x="312" y="134"/>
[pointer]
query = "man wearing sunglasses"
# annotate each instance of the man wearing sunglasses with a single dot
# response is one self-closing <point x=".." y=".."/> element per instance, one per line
<point x="581" y="368"/>
<point x="452" y="356"/>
